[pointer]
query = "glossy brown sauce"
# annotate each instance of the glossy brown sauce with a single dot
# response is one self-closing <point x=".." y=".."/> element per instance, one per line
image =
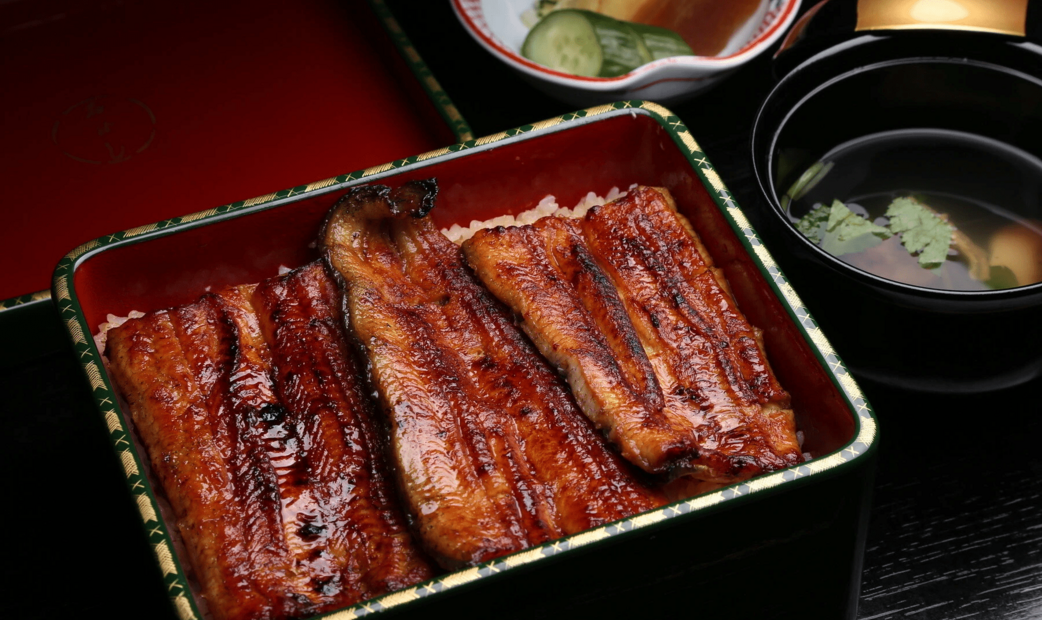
<point x="259" y="424"/>
<point x="705" y="25"/>
<point x="491" y="451"/>
<point x="250" y="405"/>
<point x="627" y="303"/>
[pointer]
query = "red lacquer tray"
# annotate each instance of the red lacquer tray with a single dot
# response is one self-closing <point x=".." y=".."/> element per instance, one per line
<point x="118" y="114"/>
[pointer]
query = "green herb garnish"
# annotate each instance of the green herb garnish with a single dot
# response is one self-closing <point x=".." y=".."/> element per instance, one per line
<point x="921" y="229"/>
<point x="809" y="179"/>
<point x="1001" y="277"/>
<point x="839" y="230"/>
<point x="813" y="224"/>
<point x="848" y="225"/>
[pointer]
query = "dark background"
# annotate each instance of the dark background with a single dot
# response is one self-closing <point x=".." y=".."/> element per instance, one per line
<point x="956" y="523"/>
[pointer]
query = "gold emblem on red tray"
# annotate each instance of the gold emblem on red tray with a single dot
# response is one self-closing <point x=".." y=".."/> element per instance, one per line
<point x="104" y="130"/>
<point x="1001" y="16"/>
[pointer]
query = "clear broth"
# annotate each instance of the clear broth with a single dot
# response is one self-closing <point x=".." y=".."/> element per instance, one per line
<point x="986" y="189"/>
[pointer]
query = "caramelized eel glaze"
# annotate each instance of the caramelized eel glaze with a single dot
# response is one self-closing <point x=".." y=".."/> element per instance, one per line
<point x="491" y="453"/>
<point x="628" y="304"/>
<point x="255" y="423"/>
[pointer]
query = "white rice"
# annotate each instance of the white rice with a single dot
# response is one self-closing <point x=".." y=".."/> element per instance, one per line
<point x="799" y="438"/>
<point x="112" y="321"/>
<point x="547" y="206"/>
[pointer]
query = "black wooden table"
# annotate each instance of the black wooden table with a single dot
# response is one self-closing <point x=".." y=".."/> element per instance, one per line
<point x="956" y="527"/>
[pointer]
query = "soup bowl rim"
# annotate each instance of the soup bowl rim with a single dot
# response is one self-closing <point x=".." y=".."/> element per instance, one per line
<point x="771" y="123"/>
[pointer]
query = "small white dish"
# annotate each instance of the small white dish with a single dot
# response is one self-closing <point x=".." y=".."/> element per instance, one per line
<point x="497" y="25"/>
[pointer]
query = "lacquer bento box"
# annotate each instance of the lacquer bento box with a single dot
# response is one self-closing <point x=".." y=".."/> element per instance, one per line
<point x="786" y="542"/>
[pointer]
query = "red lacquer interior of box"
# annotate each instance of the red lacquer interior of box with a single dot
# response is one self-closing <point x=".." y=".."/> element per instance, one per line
<point x="617" y="151"/>
<point x="122" y="113"/>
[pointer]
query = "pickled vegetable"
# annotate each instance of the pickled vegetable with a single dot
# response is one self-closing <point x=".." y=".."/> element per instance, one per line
<point x="588" y="44"/>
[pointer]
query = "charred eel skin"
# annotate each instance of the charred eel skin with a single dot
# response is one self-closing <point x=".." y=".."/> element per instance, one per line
<point x="491" y="452"/>
<point x="320" y="381"/>
<point x="263" y="440"/>
<point x="627" y="303"/>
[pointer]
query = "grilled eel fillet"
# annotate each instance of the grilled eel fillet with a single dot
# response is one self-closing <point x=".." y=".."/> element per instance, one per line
<point x="627" y="303"/>
<point x="491" y="451"/>
<point x="263" y="440"/>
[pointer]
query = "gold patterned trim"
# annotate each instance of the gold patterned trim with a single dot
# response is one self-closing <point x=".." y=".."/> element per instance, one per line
<point x="459" y="578"/>
<point x="758" y="484"/>
<point x="94" y="375"/>
<point x="714" y="179"/>
<point x="129" y="466"/>
<point x="490" y="139"/>
<point x="392" y="25"/>
<point x="739" y="218"/>
<point x="61" y="285"/>
<point x="76" y="331"/>
<point x="112" y="421"/>
<point x="644" y="520"/>
<point x="192" y="217"/>
<point x="140" y="230"/>
<point x="397" y="598"/>
<point x="819" y="339"/>
<point x="184" y="608"/>
<point x="550" y="122"/>
<point x="14" y="302"/>
<point x="82" y="249"/>
<point x="166" y="560"/>
<point x="259" y="199"/>
<point x="689" y="141"/>
<point x="453" y="113"/>
<point x="656" y="108"/>
<point x="320" y="184"/>
<point x="377" y="169"/>
<point x="848" y="383"/>
<point x="430" y="154"/>
<point x="789" y="293"/>
<point x="601" y="109"/>
<point x="144" y="506"/>
<point x="763" y="254"/>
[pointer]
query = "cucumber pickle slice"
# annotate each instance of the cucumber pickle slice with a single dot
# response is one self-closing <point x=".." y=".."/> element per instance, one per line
<point x="565" y="41"/>
<point x="661" y="42"/>
<point x="594" y="45"/>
